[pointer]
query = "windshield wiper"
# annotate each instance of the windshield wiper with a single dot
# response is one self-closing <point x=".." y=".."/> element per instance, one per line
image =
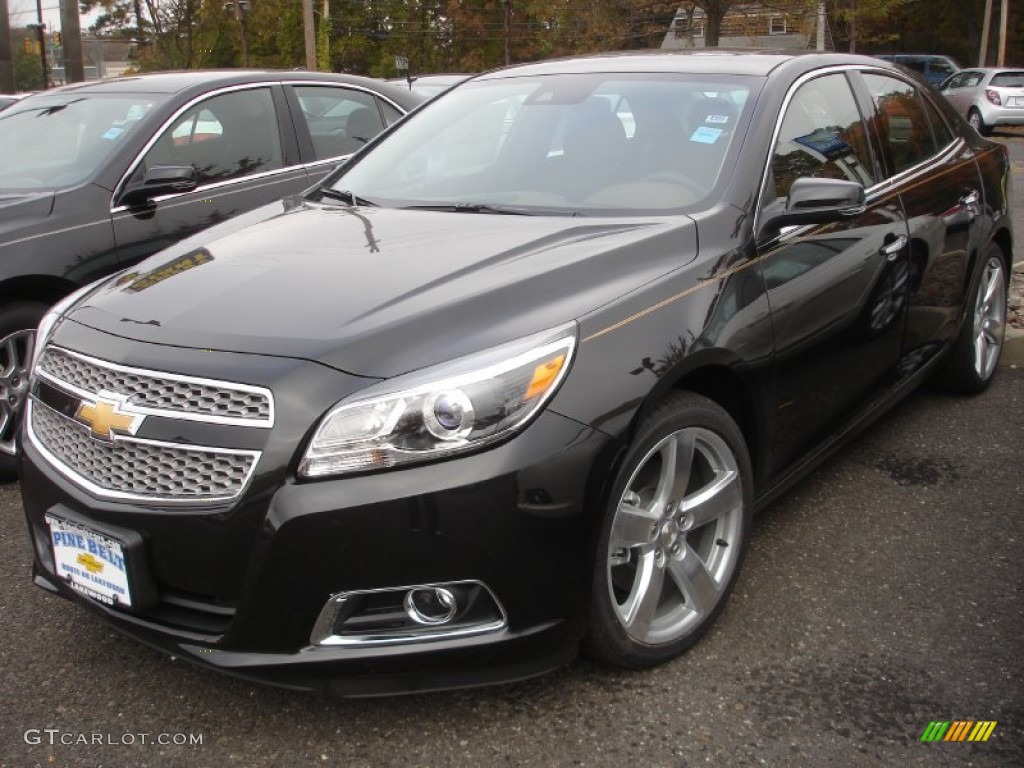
<point x="344" y="196"/>
<point x="469" y="208"/>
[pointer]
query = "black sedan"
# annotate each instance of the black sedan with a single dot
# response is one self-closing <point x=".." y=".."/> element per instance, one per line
<point x="514" y="380"/>
<point x="95" y="177"/>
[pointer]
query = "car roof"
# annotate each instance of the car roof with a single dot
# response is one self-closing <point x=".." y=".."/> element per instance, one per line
<point x="758" y="63"/>
<point x="199" y="80"/>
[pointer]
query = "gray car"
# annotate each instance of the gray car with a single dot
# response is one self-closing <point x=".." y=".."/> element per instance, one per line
<point x="987" y="96"/>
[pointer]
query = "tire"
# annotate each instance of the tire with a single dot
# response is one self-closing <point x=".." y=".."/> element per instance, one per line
<point x="972" y="361"/>
<point x="18" y="323"/>
<point x="974" y="118"/>
<point x="662" y="574"/>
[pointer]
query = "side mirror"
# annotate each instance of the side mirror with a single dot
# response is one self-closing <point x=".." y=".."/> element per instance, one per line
<point x="162" y="180"/>
<point x="814" y="201"/>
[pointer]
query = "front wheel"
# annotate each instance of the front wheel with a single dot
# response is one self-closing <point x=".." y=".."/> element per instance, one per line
<point x="673" y="536"/>
<point x="18" y="323"/>
<point x="972" y="360"/>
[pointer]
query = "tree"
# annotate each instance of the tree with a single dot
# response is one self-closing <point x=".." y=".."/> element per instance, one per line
<point x="714" y="12"/>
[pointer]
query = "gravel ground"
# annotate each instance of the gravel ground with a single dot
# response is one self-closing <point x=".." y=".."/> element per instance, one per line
<point x="1015" y="315"/>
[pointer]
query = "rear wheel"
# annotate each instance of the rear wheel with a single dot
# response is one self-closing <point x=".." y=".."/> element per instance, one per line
<point x="18" y="323"/>
<point x="674" y="534"/>
<point x="972" y="360"/>
<point x="974" y="118"/>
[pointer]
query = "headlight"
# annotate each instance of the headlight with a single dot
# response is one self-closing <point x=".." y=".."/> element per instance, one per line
<point x="447" y="409"/>
<point x="52" y="318"/>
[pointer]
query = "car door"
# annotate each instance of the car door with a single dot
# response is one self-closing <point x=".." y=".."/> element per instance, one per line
<point x="936" y="177"/>
<point x="836" y="291"/>
<point x="961" y="88"/>
<point x="334" y="121"/>
<point x="242" y="155"/>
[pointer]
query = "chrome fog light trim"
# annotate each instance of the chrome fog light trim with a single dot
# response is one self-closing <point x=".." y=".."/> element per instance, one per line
<point x="418" y="613"/>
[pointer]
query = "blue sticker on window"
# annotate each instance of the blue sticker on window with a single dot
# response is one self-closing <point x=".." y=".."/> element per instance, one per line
<point x="705" y="135"/>
<point x="113" y="132"/>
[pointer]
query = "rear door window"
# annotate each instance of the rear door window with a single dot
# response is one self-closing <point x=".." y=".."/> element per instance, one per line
<point x="904" y="125"/>
<point x="340" y="120"/>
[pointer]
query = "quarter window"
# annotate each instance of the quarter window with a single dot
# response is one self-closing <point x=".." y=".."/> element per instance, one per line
<point x="903" y="124"/>
<point x="822" y="135"/>
<point x="225" y="137"/>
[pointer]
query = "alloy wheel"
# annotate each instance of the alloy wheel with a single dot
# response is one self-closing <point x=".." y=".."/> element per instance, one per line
<point x="675" y="537"/>
<point x="989" y="318"/>
<point x="15" y="359"/>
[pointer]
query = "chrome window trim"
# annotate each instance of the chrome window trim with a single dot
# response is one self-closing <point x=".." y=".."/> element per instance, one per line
<point x="119" y="187"/>
<point x="215" y="185"/>
<point x="878" y="187"/>
<point x="783" y="109"/>
<point x="105" y="493"/>
<point x="349" y="86"/>
<point x="127" y="407"/>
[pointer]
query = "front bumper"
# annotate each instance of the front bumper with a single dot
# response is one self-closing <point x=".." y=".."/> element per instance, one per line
<point x="240" y="588"/>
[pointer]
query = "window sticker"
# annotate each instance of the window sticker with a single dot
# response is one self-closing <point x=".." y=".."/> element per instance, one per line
<point x="719" y="119"/>
<point x="705" y="135"/>
<point x="113" y="132"/>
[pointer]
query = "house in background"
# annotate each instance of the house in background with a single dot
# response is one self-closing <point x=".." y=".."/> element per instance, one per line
<point x="779" y="24"/>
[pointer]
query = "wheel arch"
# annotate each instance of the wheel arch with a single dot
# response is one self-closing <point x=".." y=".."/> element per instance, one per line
<point x="42" y="288"/>
<point x="712" y="373"/>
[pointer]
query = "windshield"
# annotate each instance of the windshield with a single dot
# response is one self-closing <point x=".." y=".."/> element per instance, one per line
<point x="53" y="142"/>
<point x="575" y="144"/>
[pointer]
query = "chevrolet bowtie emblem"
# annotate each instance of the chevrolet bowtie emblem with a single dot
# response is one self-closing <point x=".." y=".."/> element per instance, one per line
<point x="105" y="419"/>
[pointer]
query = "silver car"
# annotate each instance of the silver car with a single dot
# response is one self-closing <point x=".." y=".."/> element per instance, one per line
<point x="987" y="96"/>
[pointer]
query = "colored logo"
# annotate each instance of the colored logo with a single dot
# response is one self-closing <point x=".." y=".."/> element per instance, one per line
<point x="90" y="563"/>
<point x="958" y="730"/>
<point x="105" y="419"/>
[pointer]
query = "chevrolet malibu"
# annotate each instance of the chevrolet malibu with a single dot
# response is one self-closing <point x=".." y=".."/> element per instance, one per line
<point x="512" y="382"/>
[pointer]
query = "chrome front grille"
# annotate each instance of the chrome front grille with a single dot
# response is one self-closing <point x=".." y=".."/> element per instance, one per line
<point x="131" y="468"/>
<point x="157" y="393"/>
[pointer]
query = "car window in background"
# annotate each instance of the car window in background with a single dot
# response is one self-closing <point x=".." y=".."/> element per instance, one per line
<point x="1008" y="79"/>
<point x="905" y="127"/>
<point x="340" y="120"/>
<point x="225" y="137"/>
<point x="822" y="135"/>
<point x="55" y="142"/>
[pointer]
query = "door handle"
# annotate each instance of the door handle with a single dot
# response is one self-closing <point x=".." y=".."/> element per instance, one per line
<point x="970" y="197"/>
<point x="891" y="250"/>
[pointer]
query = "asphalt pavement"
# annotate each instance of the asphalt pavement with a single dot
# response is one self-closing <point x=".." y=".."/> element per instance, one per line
<point x="881" y="594"/>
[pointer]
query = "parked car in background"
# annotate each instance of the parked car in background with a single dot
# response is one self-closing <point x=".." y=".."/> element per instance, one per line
<point x="96" y="176"/>
<point x="987" y="96"/>
<point x="513" y="380"/>
<point x="933" y="68"/>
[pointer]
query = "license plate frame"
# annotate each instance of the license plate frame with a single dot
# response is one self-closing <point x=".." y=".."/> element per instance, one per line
<point x="90" y="562"/>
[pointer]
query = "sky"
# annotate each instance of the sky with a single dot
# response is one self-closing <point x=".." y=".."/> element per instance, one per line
<point x="23" y="12"/>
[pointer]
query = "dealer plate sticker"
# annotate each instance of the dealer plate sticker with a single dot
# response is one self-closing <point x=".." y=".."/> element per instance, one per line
<point x="90" y="562"/>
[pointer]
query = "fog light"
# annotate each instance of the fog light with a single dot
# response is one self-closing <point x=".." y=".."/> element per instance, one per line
<point x="433" y="605"/>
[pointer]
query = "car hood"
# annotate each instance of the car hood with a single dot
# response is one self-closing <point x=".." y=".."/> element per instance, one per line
<point x="19" y="210"/>
<point x="376" y="291"/>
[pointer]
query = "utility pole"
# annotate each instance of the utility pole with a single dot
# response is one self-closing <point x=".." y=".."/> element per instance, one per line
<point x="71" y="34"/>
<point x="1002" y="32"/>
<point x="508" y="30"/>
<point x="986" y="28"/>
<point x="239" y="17"/>
<point x="310" y="30"/>
<point x="41" y="29"/>
<point x="6" y="56"/>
